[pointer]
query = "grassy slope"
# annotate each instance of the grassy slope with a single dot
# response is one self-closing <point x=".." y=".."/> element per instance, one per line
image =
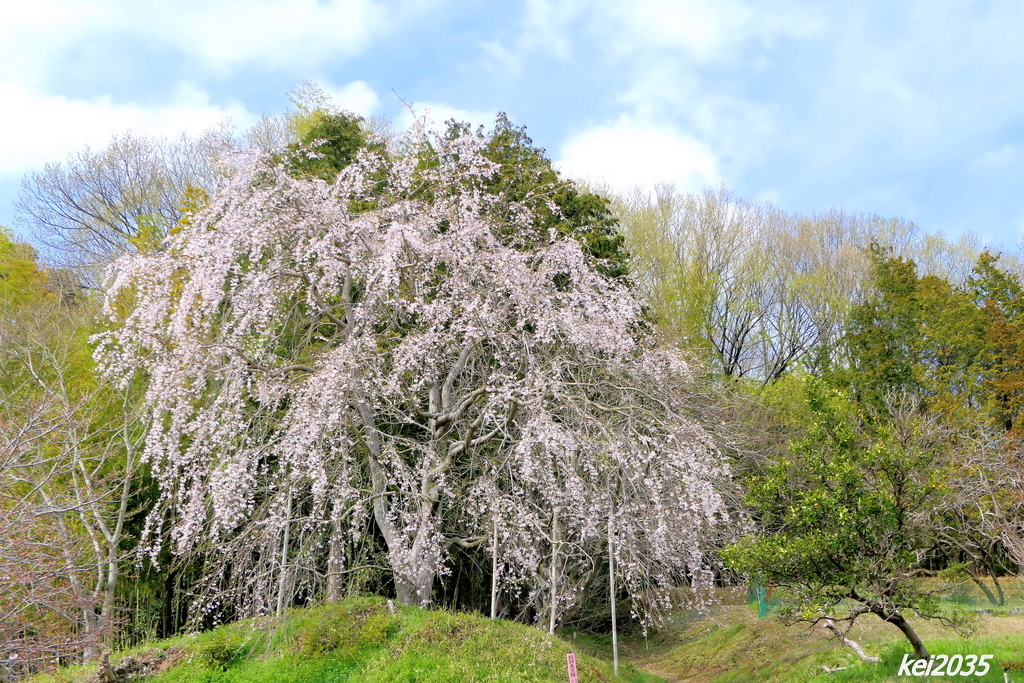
<point x="362" y="640"/>
<point x="733" y="644"/>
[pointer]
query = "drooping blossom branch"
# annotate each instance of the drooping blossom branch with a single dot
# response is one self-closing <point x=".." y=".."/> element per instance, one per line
<point x="404" y="354"/>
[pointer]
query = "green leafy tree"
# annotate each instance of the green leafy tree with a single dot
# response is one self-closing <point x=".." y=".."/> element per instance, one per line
<point x="21" y="278"/>
<point x="527" y="177"/>
<point x="917" y="335"/>
<point x="847" y="517"/>
<point x="927" y="338"/>
<point x="883" y="337"/>
<point x="332" y="138"/>
<point x="1000" y="296"/>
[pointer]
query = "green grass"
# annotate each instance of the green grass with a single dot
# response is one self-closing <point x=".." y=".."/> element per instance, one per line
<point x="731" y="644"/>
<point x="1005" y="650"/>
<point x="362" y="640"/>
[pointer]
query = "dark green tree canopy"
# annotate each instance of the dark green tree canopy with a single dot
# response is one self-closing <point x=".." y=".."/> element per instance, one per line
<point x="332" y="140"/>
<point x="883" y="332"/>
<point x="526" y="174"/>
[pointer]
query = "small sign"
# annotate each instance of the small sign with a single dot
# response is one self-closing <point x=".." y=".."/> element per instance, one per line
<point x="571" y="661"/>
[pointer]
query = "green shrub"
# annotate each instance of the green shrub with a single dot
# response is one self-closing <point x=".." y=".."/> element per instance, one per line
<point x="221" y="649"/>
<point x="347" y="629"/>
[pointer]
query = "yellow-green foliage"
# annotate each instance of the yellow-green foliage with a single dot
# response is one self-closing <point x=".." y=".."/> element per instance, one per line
<point x="21" y="279"/>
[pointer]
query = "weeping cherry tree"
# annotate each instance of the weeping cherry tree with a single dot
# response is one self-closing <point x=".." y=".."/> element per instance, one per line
<point x="404" y="356"/>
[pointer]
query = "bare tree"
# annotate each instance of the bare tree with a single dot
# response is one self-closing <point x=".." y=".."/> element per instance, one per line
<point x="68" y="470"/>
<point x="98" y="204"/>
<point x="757" y="289"/>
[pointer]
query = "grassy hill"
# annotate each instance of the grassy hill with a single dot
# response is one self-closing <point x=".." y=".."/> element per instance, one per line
<point x="732" y="645"/>
<point x="364" y="640"/>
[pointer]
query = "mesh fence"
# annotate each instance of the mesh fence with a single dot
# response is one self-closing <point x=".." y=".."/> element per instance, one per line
<point x="1003" y="594"/>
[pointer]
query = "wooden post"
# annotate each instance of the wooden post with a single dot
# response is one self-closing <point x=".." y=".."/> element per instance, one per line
<point x="611" y="590"/>
<point x="494" y="571"/>
<point x="570" y="662"/>
<point x="284" y="555"/>
<point x="554" y="566"/>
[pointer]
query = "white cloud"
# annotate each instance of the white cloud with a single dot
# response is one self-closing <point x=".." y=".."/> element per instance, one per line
<point x="707" y="30"/>
<point x="357" y="97"/>
<point x="36" y="128"/>
<point x="436" y="114"/>
<point x="657" y="51"/>
<point x="503" y="60"/>
<point x="42" y="123"/>
<point x="545" y="26"/>
<point x="273" y="33"/>
<point x="290" y="35"/>
<point x="33" y="33"/>
<point x="627" y="153"/>
<point x="998" y="158"/>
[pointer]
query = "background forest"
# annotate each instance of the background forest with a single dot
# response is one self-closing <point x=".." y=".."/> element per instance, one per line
<point x="245" y="372"/>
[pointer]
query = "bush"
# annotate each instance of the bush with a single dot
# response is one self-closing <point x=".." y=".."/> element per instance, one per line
<point x="347" y="629"/>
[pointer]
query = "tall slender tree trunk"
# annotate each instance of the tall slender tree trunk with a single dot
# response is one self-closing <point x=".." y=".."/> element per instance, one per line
<point x="106" y="618"/>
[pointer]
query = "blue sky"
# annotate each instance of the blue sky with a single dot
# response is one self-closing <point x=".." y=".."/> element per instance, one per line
<point x="911" y="109"/>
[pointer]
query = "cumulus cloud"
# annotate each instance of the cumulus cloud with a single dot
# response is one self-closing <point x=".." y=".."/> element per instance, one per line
<point x="708" y="30"/>
<point x="274" y="33"/>
<point x="357" y="97"/>
<point x="627" y="153"/>
<point x="44" y="120"/>
<point x="222" y="35"/>
<point x="38" y="127"/>
<point x="33" y="33"/>
<point x="436" y="114"/>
